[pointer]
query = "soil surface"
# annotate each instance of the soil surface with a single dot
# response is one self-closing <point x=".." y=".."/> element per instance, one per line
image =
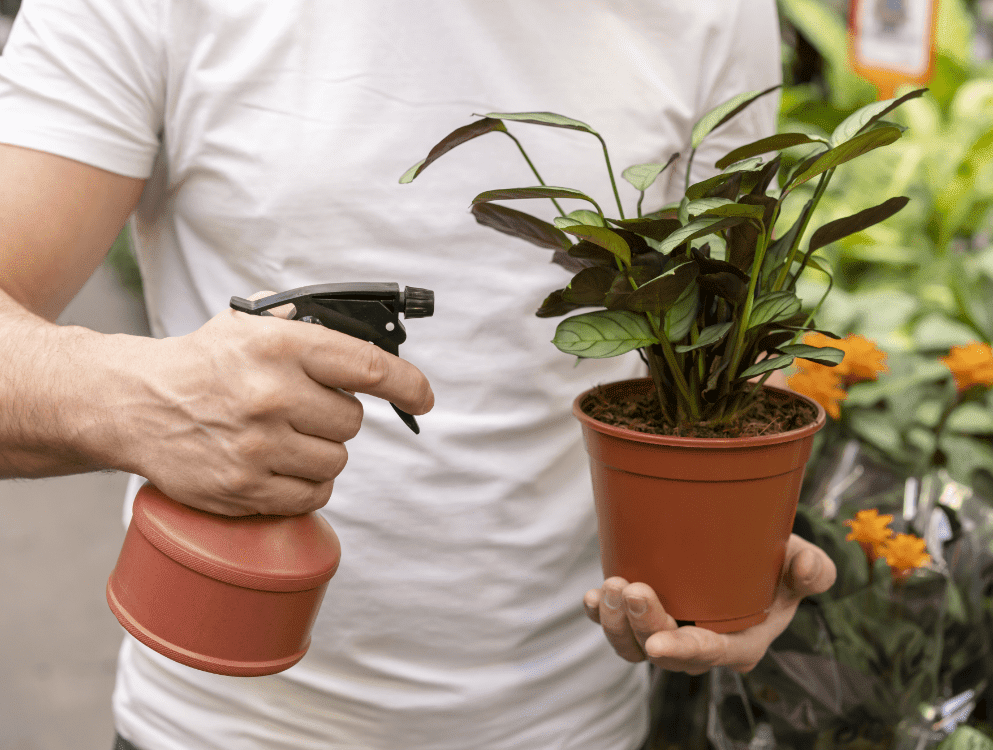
<point x="769" y="414"/>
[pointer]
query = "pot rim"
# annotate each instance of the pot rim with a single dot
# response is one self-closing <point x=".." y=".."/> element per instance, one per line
<point x="678" y="441"/>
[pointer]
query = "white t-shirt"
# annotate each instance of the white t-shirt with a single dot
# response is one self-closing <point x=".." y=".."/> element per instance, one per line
<point x="273" y="135"/>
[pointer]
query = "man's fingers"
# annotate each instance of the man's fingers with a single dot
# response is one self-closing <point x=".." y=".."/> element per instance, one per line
<point x="591" y="603"/>
<point x="309" y="458"/>
<point x="645" y="612"/>
<point x="689" y="649"/>
<point x="340" y="361"/>
<point x="614" y="620"/>
<point x="809" y="569"/>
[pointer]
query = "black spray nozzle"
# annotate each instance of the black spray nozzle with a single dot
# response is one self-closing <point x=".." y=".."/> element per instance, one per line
<point x="368" y="311"/>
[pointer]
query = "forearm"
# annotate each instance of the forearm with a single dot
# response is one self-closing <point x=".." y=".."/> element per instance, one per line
<point x="56" y="382"/>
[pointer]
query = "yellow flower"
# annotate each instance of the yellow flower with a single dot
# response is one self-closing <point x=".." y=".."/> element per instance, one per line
<point x="904" y="553"/>
<point x="870" y="527"/>
<point x="820" y="383"/>
<point x="863" y="359"/>
<point x="971" y="365"/>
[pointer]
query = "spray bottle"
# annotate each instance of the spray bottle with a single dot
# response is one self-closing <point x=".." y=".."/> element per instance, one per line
<point x="238" y="596"/>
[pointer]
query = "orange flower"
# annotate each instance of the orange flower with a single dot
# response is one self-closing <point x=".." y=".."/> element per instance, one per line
<point x="822" y="384"/>
<point x="904" y="553"/>
<point x="971" y="365"/>
<point x="863" y="359"/>
<point x="870" y="527"/>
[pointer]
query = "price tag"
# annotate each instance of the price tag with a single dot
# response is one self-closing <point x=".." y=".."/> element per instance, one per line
<point x="891" y="42"/>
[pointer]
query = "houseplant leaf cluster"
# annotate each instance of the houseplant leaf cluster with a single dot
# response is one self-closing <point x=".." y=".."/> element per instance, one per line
<point x="704" y="289"/>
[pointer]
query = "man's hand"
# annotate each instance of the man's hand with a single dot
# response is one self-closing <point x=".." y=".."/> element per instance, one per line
<point x="638" y="627"/>
<point x="250" y="414"/>
<point x="245" y="415"/>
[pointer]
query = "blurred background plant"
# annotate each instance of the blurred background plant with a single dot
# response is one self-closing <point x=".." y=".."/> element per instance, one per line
<point x="922" y="282"/>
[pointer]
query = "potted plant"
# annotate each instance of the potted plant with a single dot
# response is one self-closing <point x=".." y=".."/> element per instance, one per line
<point x="696" y="468"/>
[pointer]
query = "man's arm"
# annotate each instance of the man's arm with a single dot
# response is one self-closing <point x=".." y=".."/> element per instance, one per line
<point x="58" y="218"/>
<point x="245" y="415"/>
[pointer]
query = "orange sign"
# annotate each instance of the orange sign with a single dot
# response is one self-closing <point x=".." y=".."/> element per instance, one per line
<point x="892" y="42"/>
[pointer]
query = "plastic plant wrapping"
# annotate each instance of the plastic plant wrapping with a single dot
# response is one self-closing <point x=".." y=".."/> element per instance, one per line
<point x="889" y="657"/>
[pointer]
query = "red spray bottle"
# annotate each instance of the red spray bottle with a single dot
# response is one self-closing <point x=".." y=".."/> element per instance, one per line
<point x="239" y="595"/>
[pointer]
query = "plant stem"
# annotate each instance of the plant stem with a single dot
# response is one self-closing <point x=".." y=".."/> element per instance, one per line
<point x="792" y="253"/>
<point x="746" y="313"/>
<point x="655" y="369"/>
<point x="535" y="170"/>
<point x="689" y="168"/>
<point x="610" y="173"/>
<point x="641" y="197"/>
<point x="677" y="371"/>
<point x="670" y="358"/>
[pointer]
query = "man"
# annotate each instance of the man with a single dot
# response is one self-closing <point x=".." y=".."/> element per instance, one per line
<point x="257" y="146"/>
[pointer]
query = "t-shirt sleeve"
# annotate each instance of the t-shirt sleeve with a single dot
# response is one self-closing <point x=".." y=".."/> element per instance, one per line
<point x="745" y="56"/>
<point x="85" y="79"/>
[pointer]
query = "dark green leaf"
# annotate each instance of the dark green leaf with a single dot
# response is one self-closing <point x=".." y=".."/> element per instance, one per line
<point x="589" y="286"/>
<point x="521" y="225"/>
<point x="695" y="230"/>
<point x="773" y="307"/>
<point x="765" y="177"/>
<point x="774" y="338"/>
<point x="570" y="264"/>
<point x="531" y="192"/>
<point x="641" y="176"/>
<point x="711" y="265"/>
<point x="729" y="286"/>
<point x="623" y="288"/>
<point x="728" y="189"/>
<point x="658" y="295"/>
<point x="679" y="319"/>
<point x="700" y="189"/>
<point x="804" y="165"/>
<point x="543" y="118"/>
<point x="860" y="144"/>
<point x="737" y="209"/>
<point x="773" y="363"/>
<point x="604" y="333"/>
<point x="688" y="208"/>
<point x="776" y="253"/>
<point x="861" y="119"/>
<point x="450" y="141"/>
<point x="585" y="250"/>
<point x="822" y="355"/>
<point x="580" y="216"/>
<point x="835" y="230"/>
<point x="606" y="238"/>
<point x="655" y="229"/>
<point x="741" y="245"/>
<point x="709" y="335"/>
<point x="653" y="263"/>
<point x="724" y="112"/>
<point x="772" y="143"/>
<point x="768" y="203"/>
<point x="554" y="305"/>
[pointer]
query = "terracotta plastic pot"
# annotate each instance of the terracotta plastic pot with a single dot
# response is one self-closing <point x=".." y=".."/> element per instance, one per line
<point x="704" y="522"/>
<point x="233" y="596"/>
